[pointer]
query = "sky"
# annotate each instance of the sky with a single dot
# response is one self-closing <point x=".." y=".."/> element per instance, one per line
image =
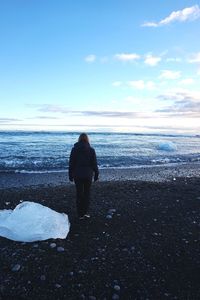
<point x="123" y="65"/>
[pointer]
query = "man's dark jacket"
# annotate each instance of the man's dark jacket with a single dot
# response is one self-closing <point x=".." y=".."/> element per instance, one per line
<point x="83" y="162"/>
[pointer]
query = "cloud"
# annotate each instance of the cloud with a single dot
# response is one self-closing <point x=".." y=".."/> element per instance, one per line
<point x="117" y="83"/>
<point x="44" y="118"/>
<point x="141" y="84"/>
<point x="187" y="81"/>
<point x="131" y="99"/>
<point x="168" y="74"/>
<point x="186" y="103"/>
<point x="152" y="60"/>
<point x="187" y="14"/>
<point x="195" y="58"/>
<point x="8" y="120"/>
<point x="127" y="57"/>
<point x="63" y="110"/>
<point x="52" y="108"/>
<point x="90" y="58"/>
<point x="174" y="59"/>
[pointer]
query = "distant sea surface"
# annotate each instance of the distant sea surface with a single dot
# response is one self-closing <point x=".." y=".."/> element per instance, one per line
<point x="29" y="152"/>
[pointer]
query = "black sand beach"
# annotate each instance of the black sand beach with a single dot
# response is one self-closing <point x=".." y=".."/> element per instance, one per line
<point x="141" y="242"/>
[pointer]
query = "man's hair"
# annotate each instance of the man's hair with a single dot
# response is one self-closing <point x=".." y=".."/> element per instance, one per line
<point x="83" y="138"/>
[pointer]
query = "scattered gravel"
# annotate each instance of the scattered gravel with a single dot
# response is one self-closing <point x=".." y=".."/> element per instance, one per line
<point x="150" y="251"/>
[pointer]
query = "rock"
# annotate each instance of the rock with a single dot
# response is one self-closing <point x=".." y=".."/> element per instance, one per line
<point x="16" y="268"/>
<point x="71" y="273"/>
<point x="108" y="217"/>
<point x="115" y="297"/>
<point x="57" y="285"/>
<point x="111" y="211"/>
<point x="60" y="249"/>
<point x="117" y="288"/>
<point x="53" y="245"/>
<point x="92" y="298"/>
<point x="42" y="277"/>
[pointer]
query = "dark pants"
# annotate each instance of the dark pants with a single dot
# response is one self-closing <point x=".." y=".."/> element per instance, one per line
<point x="82" y="195"/>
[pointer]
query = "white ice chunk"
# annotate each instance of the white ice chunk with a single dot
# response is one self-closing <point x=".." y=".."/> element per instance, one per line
<point x="167" y="146"/>
<point x="31" y="221"/>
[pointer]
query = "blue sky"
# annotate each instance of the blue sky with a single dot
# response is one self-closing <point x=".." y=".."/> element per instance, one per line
<point x="100" y="65"/>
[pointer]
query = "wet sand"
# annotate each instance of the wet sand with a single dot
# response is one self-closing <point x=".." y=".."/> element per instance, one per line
<point x="159" y="173"/>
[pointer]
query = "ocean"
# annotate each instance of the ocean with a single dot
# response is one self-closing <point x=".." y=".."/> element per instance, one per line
<point x="38" y="152"/>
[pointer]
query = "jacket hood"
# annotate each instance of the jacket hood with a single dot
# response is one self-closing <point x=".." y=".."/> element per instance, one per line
<point x="82" y="145"/>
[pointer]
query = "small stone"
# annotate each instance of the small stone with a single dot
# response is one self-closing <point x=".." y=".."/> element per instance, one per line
<point x="117" y="288"/>
<point x="16" y="268"/>
<point x="57" y="285"/>
<point x="115" y="297"/>
<point x="60" y="249"/>
<point x="43" y="277"/>
<point x="112" y="211"/>
<point x="53" y="245"/>
<point x="35" y="246"/>
<point x="108" y="217"/>
<point x="71" y="273"/>
<point x="92" y="298"/>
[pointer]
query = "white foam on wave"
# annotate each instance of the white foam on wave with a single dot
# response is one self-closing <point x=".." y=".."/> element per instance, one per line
<point x="31" y="221"/>
<point x="40" y="172"/>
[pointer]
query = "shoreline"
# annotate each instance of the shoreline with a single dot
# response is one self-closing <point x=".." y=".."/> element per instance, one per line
<point x="161" y="173"/>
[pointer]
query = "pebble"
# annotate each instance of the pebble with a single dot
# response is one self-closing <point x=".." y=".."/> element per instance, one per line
<point x="42" y="277"/>
<point x="117" y="288"/>
<point x="108" y="217"/>
<point x="16" y="268"/>
<point x="60" y="249"/>
<point x="112" y="211"/>
<point x="53" y="245"/>
<point x="115" y="297"/>
<point x="92" y="298"/>
<point x="57" y="285"/>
